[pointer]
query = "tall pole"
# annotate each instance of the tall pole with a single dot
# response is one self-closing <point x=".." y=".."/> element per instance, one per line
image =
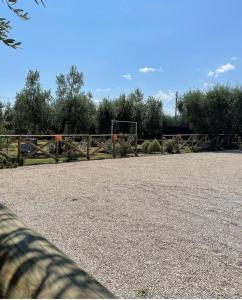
<point x="136" y="139"/>
<point x="113" y="140"/>
<point x="176" y="105"/>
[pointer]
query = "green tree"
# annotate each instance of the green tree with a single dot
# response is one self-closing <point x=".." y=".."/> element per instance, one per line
<point x="193" y="109"/>
<point x="169" y="121"/>
<point x="74" y="111"/>
<point x="32" y="107"/>
<point x="69" y="85"/>
<point x="105" y="114"/>
<point x="237" y="109"/>
<point x="8" y="118"/>
<point x="5" y="26"/>
<point x="137" y="103"/>
<point x="213" y="111"/>
<point x="153" y="118"/>
<point x="79" y="113"/>
<point x="2" y="127"/>
<point x="218" y="110"/>
<point x="131" y="107"/>
<point x="123" y="108"/>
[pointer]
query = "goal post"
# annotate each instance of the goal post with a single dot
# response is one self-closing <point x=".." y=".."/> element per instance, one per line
<point x="124" y="127"/>
<point x="125" y="131"/>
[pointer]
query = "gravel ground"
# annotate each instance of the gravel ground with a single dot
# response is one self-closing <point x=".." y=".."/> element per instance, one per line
<point x="157" y="226"/>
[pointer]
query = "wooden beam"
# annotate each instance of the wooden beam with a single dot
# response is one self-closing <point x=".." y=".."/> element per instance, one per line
<point x="100" y="146"/>
<point x="35" y="151"/>
<point x="4" y="154"/>
<point x="31" y="267"/>
<point x="74" y="147"/>
<point x="39" y="149"/>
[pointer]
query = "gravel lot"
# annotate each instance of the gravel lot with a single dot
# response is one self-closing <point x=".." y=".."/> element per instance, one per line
<point x="158" y="226"/>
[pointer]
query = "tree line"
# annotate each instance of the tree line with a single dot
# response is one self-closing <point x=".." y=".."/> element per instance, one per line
<point x="35" y="110"/>
<point x="214" y="111"/>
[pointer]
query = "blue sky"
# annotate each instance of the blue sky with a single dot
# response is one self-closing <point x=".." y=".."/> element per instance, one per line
<point x="160" y="46"/>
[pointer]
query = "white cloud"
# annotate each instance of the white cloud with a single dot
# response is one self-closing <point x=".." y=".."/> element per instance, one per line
<point x="221" y="69"/>
<point x="233" y="58"/>
<point x="127" y="76"/>
<point x="147" y="70"/>
<point x="225" y="68"/>
<point x="211" y="74"/>
<point x="99" y="90"/>
<point x="207" y="85"/>
<point x="166" y="97"/>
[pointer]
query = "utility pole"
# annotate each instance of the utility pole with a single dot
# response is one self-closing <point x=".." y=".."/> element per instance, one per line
<point x="176" y="105"/>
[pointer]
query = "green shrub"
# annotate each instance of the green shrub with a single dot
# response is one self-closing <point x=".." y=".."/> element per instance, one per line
<point x="52" y="148"/>
<point x="145" y="146"/>
<point x="172" y="147"/>
<point x="20" y="161"/>
<point x="154" y="147"/>
<point x="194" y="148"/>
<point x="8" y="163"/>
<point x="69" y="150"/>
<point x="123" y="149"/>
<point x="109" y="146"/>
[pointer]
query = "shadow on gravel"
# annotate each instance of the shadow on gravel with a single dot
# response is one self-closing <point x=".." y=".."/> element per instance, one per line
<point x="31" y="267"/>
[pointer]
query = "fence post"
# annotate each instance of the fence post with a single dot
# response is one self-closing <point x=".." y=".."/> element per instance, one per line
<point x="114" y="147"/>
<point x="88" y="147"/>
<point x="136" y="146"/>
<point x="57" y="150"/>
<point x="162" y="145"/>
<point x="19" y="147"/>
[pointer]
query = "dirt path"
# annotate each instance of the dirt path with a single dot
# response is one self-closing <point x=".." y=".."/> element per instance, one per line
<point x="158" y="226"/>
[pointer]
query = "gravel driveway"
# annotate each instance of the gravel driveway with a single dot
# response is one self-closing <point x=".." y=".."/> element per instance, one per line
<point x="156" y="226"/>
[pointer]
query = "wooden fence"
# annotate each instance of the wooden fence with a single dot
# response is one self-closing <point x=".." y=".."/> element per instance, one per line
<point x="58" y="147"/>
<point x="31" y="267"/>
<point x="80" y="146"/>
<point x="203" y="141"/>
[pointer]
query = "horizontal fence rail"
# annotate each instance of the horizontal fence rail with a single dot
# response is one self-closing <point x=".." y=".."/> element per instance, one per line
<point x="31" y="267"/>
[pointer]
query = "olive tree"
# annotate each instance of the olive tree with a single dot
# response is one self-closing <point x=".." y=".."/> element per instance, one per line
<point x="32" y="113"/>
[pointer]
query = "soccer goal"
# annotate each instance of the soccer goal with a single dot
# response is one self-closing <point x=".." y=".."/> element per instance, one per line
<point x="124" y="127"/>
<point x="125" y="132"/>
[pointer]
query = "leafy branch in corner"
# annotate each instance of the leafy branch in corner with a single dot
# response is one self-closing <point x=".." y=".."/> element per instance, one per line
<point x="5" y="26"/>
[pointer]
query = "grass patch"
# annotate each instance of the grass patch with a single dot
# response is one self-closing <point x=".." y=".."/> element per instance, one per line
<point x="143" y="293"/>
<point x="101" y="156"/>
<point x="49" y="160"/>
<point x="38" y="161"/>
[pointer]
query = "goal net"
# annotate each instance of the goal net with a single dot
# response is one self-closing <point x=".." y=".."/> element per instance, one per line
<point x="124" y="131"/>
<point x="124" y="128"/>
